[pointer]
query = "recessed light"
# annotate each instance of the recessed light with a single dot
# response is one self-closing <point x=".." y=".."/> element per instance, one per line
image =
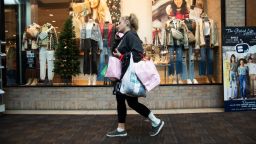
<point x="14" y="35"/>
<point x="6" y="31"/>
<point x="56" y="27"/>
<point x="53" y="21"/>
<point x="51" y="15"/>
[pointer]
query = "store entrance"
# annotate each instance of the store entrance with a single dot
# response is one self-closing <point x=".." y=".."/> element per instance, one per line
<point x="11" y="38"/>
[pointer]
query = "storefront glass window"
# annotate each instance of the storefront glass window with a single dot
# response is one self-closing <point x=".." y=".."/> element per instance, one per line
<point x="184" y="42"/>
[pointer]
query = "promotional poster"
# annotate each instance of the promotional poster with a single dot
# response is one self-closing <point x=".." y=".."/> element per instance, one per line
<point x="239" y="67"/>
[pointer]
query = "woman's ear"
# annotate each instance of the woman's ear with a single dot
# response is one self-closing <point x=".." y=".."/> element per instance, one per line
<point x="127" y="22"/>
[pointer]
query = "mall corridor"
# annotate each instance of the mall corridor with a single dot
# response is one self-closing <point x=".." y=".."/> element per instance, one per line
<point x="205" y="128"/>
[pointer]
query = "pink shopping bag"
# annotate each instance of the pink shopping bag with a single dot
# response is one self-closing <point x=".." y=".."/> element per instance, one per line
<point x="114" y="69"/>
<point x="147" y="73"/>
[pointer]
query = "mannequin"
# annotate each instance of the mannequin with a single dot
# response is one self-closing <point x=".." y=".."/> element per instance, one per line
<point x="175" y="37"/>
<point x="91" y="42"/>
<point x="190" y="53"/>
<point x="30" y="52"/>
<point x="48" y="42"/>
<point x="106" y="32"/>
<point x="208" y="41"/>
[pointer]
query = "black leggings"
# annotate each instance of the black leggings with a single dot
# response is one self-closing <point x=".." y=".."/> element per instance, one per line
<point x="133" y="103"/>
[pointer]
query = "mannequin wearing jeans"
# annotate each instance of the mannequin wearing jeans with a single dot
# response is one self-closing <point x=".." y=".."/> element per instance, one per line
<point x="206" y="52"/>
<point x="175" y="37"/>
<point x="208" y="40"/>
<point x="47" y="41"/>
<point x="91" y="42"/>
<point x="190" y="54"/>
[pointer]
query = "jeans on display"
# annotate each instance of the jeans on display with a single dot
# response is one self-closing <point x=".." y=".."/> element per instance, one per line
<point x="191" y="62"/>
<point x="233" y="84"/>
<point x="104" y="55"/>
<point x="242" y="83"/>
<point x="179" y="59"/>
<point x="184" y="74"/>
<point x="46" y="56"/>
<point x="171" y="62"/>
<point x="206" y="61"/>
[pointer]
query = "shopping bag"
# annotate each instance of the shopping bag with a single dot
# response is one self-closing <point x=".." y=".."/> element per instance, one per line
<point x="114" y="69"/>
<point x="147" y="73"/>
<point x="130" y="84"/>
<point x="104" y="70"/>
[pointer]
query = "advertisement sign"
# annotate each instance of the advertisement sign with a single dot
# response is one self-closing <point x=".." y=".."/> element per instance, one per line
<point x="239" y="67"/>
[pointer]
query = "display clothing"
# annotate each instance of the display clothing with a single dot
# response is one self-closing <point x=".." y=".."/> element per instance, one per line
<point x="175" y="64"/>
<point x="173" y="27"/>
<point x="206" y="61"/>
<point x="90" y="48"/>
<point x="90" y="43"/>
<point x="28" y="43"/>
<point x="214" y="42"/>
<point x="46" y="55"/>
<point x="175" y="44"/>
<point x="47" y="37"/>
<point x="191" y="25"/>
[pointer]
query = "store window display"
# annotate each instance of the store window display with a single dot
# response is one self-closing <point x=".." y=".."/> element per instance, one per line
<point x="184" y="40"/>
<point x="195" y="38"/>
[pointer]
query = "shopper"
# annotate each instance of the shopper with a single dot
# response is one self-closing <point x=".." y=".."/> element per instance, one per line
<point x="130" y="43"/>
<point x="242" y="73"/>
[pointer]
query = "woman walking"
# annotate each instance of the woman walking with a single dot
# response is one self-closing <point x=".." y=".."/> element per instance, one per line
<point x="130" y="43"/>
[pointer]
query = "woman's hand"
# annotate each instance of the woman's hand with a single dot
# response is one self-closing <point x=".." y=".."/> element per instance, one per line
<point x="116" y="53"/>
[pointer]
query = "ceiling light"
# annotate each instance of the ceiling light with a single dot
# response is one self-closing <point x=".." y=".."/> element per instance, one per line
<point x="53" y="21"/>
<point x="14" y="35"/>
<point x="56" y="27"/>
<point x="51" y="15"/>
<point x="6" y="31"/>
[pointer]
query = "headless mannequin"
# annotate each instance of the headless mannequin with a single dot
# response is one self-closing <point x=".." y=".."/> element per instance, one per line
<point x="207" y="32"/>
<point x="176" y="78"/>
<point x="91" y="77"/>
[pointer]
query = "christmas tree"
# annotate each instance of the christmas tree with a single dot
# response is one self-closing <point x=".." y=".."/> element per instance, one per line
<point x="114" y="8"/>
<point x="67" y="62"/>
